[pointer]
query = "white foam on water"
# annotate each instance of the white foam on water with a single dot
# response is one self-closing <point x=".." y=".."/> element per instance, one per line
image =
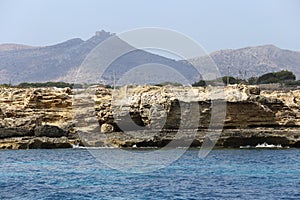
<point x="266" y="145"/>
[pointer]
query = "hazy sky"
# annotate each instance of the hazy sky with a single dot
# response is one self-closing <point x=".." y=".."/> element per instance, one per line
<point x="215" y="24"/>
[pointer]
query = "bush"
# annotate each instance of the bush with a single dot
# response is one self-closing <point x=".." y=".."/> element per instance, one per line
<point x="108" y="86"/>
<point x="252" y="80"/>
<point x="47" y="84"/>
<point x="168" y="83"/>
<point x="276" y="77"/>
<point x="5" y="85"/>
<point x="231" y="80"/>
<point x="292" y="83"/>
<point x="200" y="83"/>
<point x="220" y="80"/>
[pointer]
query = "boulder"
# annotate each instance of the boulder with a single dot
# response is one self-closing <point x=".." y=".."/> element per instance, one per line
<point x="107" y="128"/>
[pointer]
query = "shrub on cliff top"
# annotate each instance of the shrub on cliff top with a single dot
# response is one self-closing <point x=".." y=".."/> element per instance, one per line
<point x="276" y="77"/>
<point x="47" y="84"/>
<point x="168" y="83"/>
<point x="200" y="83"/>
<point x="5" y="85"/>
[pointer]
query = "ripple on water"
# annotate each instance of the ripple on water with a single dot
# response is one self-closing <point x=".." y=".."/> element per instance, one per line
<point x="223" y="174"/>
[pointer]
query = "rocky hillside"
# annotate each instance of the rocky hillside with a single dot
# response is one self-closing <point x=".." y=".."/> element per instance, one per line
<point x="14" y="47"/>
<point x="61" y="62"/>
<point x="148" y="116"/>
<point x="48" y="63"/>
<point x="254" y="61"/>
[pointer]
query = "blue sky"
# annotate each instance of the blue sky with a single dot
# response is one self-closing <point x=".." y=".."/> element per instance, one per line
<point x="215" y="24"/>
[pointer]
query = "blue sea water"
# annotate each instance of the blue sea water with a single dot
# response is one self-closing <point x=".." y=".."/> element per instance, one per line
<point x="223" y="174"/>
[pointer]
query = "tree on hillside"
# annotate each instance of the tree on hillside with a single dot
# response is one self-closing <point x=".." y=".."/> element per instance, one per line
<point x="200" y="83"/>
<point x="252" y="80"/>
<point x="168" y="83"/>
<point x="276" y="77"/>
<point x="47" y="84"/>
<point x="229" y="80"/>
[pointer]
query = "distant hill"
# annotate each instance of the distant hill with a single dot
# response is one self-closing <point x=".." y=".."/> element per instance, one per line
<point x="12" y="47"/>
<point x="254" y="61"/>
<point x="60" y="62"/>
<point x="48" y="63"/>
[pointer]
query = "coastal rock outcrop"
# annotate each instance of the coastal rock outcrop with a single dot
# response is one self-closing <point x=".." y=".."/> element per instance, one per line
<point x="28" y="115"/>
<point x="148" y="116"/>
<point x="153" y="116"/>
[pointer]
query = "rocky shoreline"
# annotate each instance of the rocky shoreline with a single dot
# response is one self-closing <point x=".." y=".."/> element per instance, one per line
<point x="148" y="116"/>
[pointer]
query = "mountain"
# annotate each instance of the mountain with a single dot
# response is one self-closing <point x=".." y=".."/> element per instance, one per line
<point x="12" y="47"/>
<point x="45" y="63"/>
<point x="62" y="62"/>
<point x="66" y="61"/>
<point x="253" y="61"/>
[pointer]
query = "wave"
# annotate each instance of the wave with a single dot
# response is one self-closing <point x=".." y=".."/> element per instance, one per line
<point x="76" y="146"/>
<point x="266" y="145"/>
<point x="263" y="146"/>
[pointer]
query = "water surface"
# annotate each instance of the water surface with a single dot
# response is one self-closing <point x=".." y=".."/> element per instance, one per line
<point x="223" y="174"/>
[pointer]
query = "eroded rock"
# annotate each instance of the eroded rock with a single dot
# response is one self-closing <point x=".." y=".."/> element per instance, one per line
<point x="49" y="131"/>
<point x="51" y="118"/>
<point x="107" y="128"/>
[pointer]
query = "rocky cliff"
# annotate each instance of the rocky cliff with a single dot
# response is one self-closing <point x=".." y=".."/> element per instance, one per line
<point x="36" y="118"/>
<point x="148" y="116"/>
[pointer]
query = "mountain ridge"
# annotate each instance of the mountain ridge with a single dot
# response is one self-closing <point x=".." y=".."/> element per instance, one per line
<point x="254" y="61"/>
<point x="13" y="47"/>
<point x="61" y="62"/>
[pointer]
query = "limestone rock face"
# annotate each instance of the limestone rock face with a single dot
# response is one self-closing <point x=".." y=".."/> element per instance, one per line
<point x="35" y="112"/>
<point x="286" y="109"/>
<point x="147" y="116"/>
<point x="49" y="131"/>
<point x="150" y="107"/>
<point x="49" y="143"/>
<point x="15" y="132"/>
<point x="247" y="111"/>
<point x="36" y="143"/>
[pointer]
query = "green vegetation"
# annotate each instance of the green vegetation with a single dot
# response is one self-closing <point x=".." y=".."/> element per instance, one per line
<point x="5" y="85"/>
<point x="47" y="84"/>
<point x="108" y="86"/>
<point x="230" y="79"/>
<point x="292" y="83"/>
<point x="52" y="84"/>
<point x="252" y="80"/>
<point x="224" y="80"/>
<point x="200" y="83"/>
<point x="168" y="83"/>
<point x="276" y="77"/>
<point x="284" y="77"/>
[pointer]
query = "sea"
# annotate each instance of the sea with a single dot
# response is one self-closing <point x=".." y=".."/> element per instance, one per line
<point x="222" y="174"/>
